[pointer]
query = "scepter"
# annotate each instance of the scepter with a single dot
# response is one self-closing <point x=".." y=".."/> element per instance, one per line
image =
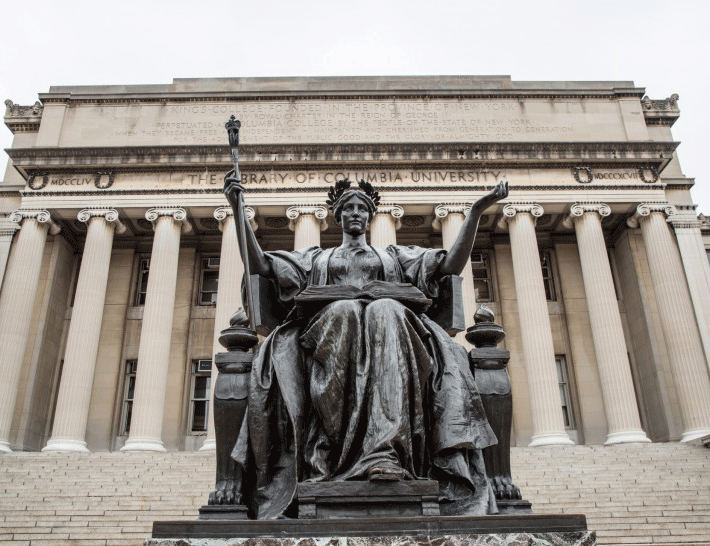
<point x="232" y="127"/>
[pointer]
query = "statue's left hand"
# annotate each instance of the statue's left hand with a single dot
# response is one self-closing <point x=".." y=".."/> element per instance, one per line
<point x="495" y="195"/>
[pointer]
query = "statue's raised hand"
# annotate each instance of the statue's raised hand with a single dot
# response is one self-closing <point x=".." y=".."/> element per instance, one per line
<point x="492" y="197"/>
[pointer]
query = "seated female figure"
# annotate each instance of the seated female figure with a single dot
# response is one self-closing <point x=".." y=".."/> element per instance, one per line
<point x="363" y="389"/>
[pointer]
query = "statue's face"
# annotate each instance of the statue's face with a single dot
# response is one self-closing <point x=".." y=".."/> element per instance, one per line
<point x="355" y="216"/>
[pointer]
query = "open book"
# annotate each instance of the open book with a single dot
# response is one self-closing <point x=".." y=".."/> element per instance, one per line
<point x="313" y="298"/>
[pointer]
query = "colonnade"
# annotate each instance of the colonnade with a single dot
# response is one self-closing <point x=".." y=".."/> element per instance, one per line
<point x="666" y="261"/>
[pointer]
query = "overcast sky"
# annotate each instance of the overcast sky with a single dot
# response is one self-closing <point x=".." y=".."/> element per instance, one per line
<point x="660" y="45"/>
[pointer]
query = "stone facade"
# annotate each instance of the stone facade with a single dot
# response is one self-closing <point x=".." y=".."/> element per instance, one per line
<point x="112" y="223"/>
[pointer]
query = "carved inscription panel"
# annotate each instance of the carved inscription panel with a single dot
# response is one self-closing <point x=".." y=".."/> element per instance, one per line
<point x="344" y="121"/>
<point x="255" y="180"/>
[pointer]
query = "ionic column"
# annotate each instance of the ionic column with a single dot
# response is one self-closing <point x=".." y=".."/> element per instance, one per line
<point x="384" y="225"/>
<point x="154" y="349"/>
<point x="7" y="231"/>
<point x="695" y="264"/>
<point x="229" y="296"/>
<point x="675" y="310"/>
<point x="307" y="222"/>
<point x="448" y="218"/>
<point x="607" y="332"/>
<point x="16" y="306"/>
<point x="547" y="419"/>
<point x="72" y="412"/>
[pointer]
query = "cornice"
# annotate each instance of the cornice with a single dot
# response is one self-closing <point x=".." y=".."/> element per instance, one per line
<point x="570" y="154"/>
<point x="160" y="97"/>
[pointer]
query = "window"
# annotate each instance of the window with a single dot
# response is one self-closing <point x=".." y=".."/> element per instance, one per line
<point x="129" y="387"/>
<point x="547" y="278"/>
<point x="200" y="395"/>
<point x="209" y="277"/>
<point x="481" y="266"/>
<point x="565" y="395"/>
<point x="142" y="284"/>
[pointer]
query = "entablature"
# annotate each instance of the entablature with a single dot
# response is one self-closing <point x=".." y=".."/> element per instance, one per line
<point x="509" y="154"/>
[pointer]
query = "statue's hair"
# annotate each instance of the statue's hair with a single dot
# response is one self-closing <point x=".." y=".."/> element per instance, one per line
<point x="341" y="192"/>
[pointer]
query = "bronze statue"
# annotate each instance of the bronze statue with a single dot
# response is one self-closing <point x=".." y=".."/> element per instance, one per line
<point x="358" y="383"/>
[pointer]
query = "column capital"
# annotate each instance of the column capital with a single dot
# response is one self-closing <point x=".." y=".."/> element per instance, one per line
<point x="644" y="210"/>
<point x="109" y="214"/>
<point x="222" y="213"/>
<point x="320" y="212"/>
<point x="511" y="209"/>
<point x="395" y="211"/>
<point x="443" y="210"/>
<point x="579" y="209"/>
<point x="178" y="214"/>
<point x="40" y="215"/>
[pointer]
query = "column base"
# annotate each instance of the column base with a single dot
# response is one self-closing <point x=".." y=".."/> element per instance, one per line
<point x="627" y="437"/>
<point x="696" y="434"/>
<point x="209" y="445"/>
<point x="143" y="444"/>
<point x="5" y="447"/>
<point x="551" y="439"/>
<point x="75" y="446"/>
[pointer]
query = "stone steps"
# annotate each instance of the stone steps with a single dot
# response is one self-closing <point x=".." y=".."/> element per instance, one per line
<point x="632" y="494"/>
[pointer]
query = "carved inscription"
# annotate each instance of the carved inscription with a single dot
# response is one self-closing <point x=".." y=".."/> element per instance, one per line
<point x="381" y="178"/>
<point x="348" y="121"/>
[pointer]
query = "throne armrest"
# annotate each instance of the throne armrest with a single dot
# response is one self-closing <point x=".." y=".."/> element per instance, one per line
<point x="447" y="310"/>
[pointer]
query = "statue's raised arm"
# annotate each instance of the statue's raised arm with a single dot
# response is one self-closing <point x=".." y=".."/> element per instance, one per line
<point x="234" y="192"/>
<point x="460" y="252"/>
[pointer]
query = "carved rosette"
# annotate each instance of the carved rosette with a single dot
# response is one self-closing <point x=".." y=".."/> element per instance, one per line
<point x="578" y="209"/>
<point x="222" y="213"/>
<point x="321" y="213"/>
<point x="443" y="210"/>
<point x="40" y="215"/>
<point x="110" y="215"/>
<point x="395" y="211"/>
<point x="511" y="209"/>
<point x="644" y="210"/>
<point x="178" y="214"/>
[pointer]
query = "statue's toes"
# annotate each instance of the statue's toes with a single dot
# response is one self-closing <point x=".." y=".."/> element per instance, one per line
<point x="212" y="500"/>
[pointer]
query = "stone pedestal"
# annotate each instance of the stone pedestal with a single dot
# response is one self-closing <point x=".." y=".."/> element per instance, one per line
<point x="541" y="530"/>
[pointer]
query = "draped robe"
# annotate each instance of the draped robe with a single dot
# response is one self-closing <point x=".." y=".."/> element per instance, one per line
<point x="362" y="383"/>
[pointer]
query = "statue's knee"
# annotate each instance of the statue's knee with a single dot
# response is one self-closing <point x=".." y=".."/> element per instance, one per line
<point x="384" y="307"/>
<point x="345" y="308"/>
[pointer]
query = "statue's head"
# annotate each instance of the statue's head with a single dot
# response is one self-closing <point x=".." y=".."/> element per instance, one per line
<point x="343" y="193"/>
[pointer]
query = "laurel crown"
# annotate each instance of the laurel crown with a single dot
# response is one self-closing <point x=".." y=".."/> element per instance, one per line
<point x="341" y="186"/>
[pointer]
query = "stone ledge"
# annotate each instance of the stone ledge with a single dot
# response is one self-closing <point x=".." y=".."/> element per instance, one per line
<point x="373" y="527"/>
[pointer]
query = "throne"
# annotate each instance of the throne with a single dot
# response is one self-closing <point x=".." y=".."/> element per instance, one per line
<point x="324" y="500"/>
